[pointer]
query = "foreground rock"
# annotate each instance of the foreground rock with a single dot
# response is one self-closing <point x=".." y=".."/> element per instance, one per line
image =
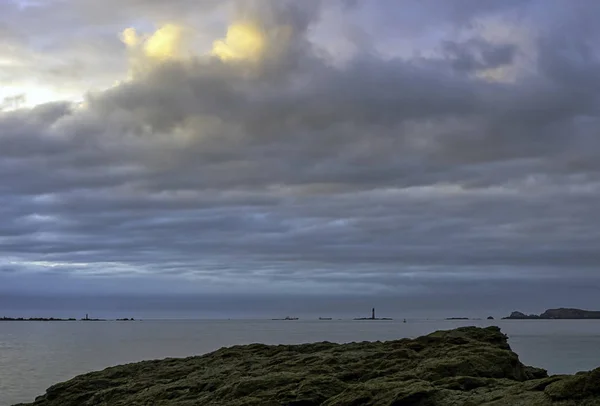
<point x="466" y="366"/>
<point x="558" y="314"/>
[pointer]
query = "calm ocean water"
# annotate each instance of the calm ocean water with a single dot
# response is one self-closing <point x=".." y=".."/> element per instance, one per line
<point x="35" y="355"/>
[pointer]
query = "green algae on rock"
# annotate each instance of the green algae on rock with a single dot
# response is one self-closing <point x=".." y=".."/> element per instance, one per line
<point x="466" y="366"/>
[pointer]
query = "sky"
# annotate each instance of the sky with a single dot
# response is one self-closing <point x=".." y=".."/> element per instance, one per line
<point x="253" y="157"/>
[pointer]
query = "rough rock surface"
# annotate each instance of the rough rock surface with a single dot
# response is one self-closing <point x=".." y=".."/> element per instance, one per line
<point x="466" y="366"/>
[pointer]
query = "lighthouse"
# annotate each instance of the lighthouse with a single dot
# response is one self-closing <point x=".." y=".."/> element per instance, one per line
<point x="373" y="313"/>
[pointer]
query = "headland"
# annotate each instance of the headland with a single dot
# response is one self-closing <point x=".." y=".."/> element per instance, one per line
<point x="562" y="313"/>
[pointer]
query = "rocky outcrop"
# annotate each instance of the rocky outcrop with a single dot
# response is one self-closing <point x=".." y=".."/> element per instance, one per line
<point x="520" y="316"/>
<point x="465" y="366"/>
<point x="562" y="313"/>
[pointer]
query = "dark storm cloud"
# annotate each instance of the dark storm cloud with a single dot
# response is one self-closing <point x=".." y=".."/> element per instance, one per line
<point x="475" y="161"/>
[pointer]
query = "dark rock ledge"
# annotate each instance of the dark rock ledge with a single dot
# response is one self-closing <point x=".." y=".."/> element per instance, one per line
<point x="465" y="366"/>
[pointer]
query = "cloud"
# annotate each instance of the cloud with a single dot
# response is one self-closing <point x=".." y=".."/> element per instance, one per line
<point x="244" y="41"/>
<point x="256" y="161"/>
<point x="164" y="44"/>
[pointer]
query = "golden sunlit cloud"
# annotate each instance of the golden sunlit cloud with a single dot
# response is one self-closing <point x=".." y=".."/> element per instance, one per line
<point x="130" y="37"/>
<point x="244" y="41"/>
<point x="166" y="43"/>
<point x="145" y="51"/>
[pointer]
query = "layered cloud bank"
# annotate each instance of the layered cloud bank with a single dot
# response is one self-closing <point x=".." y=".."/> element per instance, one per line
<point x="384" y="147"/>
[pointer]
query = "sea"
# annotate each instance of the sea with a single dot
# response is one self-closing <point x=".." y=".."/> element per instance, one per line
<point x="36" y="355"/>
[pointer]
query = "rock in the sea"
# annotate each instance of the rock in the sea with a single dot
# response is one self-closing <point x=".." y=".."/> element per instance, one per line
<point x="465" y="366"/>
<point x="519" y="316"/>
<point x="490" y="318"/>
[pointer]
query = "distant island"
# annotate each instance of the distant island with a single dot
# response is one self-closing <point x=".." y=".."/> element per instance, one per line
<point x="457" y="318"/>
<point x="34" y="319"/>
<point x="86" y="318"/>
<point x="556" y="314"/>
<point x="287" y="318"/>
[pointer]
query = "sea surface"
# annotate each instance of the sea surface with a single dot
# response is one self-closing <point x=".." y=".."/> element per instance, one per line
<point x="35" y="355"/>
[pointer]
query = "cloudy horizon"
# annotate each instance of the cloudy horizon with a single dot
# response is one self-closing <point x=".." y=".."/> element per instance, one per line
<point x="420" y="155"/>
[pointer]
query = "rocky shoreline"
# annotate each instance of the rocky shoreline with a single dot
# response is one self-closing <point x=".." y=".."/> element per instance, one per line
<point x="465" y="366"/>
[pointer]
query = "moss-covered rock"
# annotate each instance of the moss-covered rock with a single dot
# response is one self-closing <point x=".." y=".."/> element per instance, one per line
<point x="579" y="386"/>
<point x="466" y="366"/>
